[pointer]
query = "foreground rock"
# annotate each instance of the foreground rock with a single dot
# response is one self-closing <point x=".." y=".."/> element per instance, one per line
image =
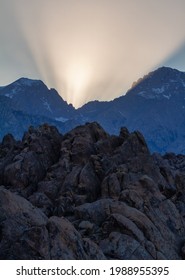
<point x="89" y="195"/>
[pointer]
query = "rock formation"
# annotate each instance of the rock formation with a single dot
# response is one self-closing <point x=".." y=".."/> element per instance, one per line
<point x="89" y="195"/>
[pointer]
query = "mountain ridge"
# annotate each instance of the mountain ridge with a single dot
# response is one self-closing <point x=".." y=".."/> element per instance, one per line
<point x="159" y="119"/>
<point x="155" y="105"/>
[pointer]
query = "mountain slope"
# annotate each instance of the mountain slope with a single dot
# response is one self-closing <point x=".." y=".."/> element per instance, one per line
<point x="155" y="105"/>
<point x="27" y="102"/>
<point x="33" y="97"/>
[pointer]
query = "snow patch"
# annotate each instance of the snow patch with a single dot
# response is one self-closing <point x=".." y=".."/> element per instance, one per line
<point x="46" y="104"/>
<point x="121" y="113"/>
<point x="159" y="90"/>
<point x="61" y="119"/>
<point x="12" y="93"/>
<point x="142" y="93"/>
<point x="147" y="95"/>
<point x="156" y="93"/>
<point x="183" y="82"/>
<point x="167" y="96"/>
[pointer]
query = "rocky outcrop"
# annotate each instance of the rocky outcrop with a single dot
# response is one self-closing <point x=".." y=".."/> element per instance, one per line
<point x="89" y="195"/>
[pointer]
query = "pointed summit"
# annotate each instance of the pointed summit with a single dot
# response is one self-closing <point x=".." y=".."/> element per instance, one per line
<point x="28" y="82"/>
<point x="34" y="98"/>
<point x="22" y="85"/>
<point x="164" y="82"/>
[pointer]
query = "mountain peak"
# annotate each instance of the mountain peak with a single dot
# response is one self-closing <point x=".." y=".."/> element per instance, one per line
<point x="35" y="98"/>
<point x="166" y="69"/>
<point x="28" y="82"/>
<point x="22" y="85"/>
<point x="166" y="72"/>
<point x="164" y="82"/>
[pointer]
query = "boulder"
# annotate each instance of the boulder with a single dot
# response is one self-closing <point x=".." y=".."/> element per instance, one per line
<point x="23" y="228"/>
<point x="89" y="195"/>
<point x="66" y="242"/>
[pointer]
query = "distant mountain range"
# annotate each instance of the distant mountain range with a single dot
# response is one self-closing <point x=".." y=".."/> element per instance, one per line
<point x="155" y="105"/>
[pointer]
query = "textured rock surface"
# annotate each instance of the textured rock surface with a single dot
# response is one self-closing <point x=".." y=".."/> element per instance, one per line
<point x="89" y="195"/>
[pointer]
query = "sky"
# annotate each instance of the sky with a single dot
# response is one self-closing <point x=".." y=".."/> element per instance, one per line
<point x="89" y="49"/>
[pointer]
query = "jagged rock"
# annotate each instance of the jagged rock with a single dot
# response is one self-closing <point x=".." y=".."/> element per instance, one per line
<point x="41" y="150"/>
<point x="8" y="141"/>
<point x="93" y="250"/>
<point x="71" y="180"/>
<point x="9" y="148"/>
<point x="89" y="183"/>
<point x="14" y="205"/>
<point x="42" y="201"/>
<point x="65" y="242"/>
<point x="111" y="187"/>
<point x="64" y="205"/>
<point x="89" y="195"/>
<point x="25" y="169"/>
<point x="80" y="141"/>
<point x="125" y="225"/>
<point x="95" y="212"/>
<point x="183" y="252"/>
<point x="121" y="246"/>
<point x="49" y="188"/>
<point x="132" y="198"/>
<point x="124" y="133"/>
<point x="96" y="161"/>
<point x="134" y="145"/>
<point x="179" y="197"/>
<point x="45" y="141"/>
<point x="86" y="225"/>
<point x="23" y="231"/>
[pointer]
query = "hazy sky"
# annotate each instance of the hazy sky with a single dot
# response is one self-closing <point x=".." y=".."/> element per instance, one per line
<point x="89" y="49"/>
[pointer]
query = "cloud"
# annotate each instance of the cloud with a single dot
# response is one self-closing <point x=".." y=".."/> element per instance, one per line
<point x="88" y="49"/>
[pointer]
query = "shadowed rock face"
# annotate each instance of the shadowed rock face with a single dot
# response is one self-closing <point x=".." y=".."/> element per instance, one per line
<point x="89" y="195"/>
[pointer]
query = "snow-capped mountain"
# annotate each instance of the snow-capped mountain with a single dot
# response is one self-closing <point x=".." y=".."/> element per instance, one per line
<point x="155" y="105"/>
<point x="28" y="102"/>
<point x="162" y="83"/>
<point x="33" y="97"/>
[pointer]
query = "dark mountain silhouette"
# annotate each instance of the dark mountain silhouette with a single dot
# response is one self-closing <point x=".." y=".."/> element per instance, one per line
<point x="155" y="105"/>
<point x="89" y="195"/>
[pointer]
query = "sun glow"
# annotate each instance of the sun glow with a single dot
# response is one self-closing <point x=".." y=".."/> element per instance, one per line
<point x="77" y="80"/>
<point x="88" y="50"/>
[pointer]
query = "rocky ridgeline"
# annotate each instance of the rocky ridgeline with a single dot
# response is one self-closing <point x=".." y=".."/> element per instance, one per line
<point x="89" y="195"/>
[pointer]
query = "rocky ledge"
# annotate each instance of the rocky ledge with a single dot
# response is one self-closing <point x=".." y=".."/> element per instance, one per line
<point x="89" y="195"/>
